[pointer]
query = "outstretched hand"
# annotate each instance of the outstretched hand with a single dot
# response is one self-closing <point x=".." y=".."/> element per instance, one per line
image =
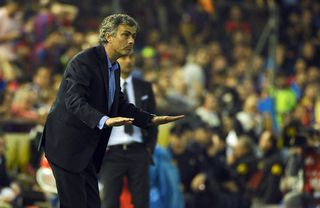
<point x="118" y="121"/>
<point x="158" y="120"/>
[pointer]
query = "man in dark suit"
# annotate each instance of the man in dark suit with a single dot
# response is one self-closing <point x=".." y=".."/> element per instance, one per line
<point x="88" y="104"/>
<point x="129" y="149"/>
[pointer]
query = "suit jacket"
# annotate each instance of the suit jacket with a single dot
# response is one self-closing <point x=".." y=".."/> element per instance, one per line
<point x="71" y="138"/>
<point x="145" y="100"/>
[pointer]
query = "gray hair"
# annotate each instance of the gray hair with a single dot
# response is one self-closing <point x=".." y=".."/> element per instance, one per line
<point x="110" y="25"/>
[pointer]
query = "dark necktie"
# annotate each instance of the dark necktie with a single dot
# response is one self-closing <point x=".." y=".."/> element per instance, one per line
<point x="128" y="129"/>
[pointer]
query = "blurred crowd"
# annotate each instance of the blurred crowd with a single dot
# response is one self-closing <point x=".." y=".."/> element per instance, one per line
<point x="252" y="133"/>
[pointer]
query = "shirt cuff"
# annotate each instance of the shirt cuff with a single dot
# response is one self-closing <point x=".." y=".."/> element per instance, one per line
<point x="102" y="122"/>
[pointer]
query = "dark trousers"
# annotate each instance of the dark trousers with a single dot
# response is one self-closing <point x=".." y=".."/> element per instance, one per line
<point x="132" y="162"/>
<point x="77" y="189"/>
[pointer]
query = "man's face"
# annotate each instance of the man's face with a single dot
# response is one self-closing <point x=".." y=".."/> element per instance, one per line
<point x="178" y="143"/>
<point x="126" y="63"/>
<point x="42" y="78"/>
<point x="265" y="142"/>
<point x="123" y="40"/>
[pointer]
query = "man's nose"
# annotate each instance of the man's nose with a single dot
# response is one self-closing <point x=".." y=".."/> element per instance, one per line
<point x="131" y="40"/>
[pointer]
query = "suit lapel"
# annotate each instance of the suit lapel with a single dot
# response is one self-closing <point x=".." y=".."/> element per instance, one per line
<point x="103" y="67"/>
<point x="114" y="106"/>
<point x="137" y="92"/>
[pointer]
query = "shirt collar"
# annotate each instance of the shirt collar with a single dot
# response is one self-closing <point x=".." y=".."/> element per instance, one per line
<point x="128" y="80"/>
<point x="112" y="67"/>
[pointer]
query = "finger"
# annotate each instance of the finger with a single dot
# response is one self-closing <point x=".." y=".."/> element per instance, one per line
<point x="127" y="122"/>
<point x="127" y="119"/>
<point x="174" y="118"/>
<point x="124" y="119"/>
<point x="120" y="123"/>
<point x="178" y="117"/>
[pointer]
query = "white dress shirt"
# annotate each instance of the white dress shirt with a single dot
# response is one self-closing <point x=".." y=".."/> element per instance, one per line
<point x="118" y="136"/>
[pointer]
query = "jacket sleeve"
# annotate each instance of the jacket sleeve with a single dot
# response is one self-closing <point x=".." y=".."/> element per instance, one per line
<point x="78" y="91"/>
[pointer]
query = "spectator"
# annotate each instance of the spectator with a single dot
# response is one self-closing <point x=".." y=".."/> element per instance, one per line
<point x="185" y="160"/>
<point x="285" y="98"/>
<point x="249" y="117"/>
<point x="194" y="72"/>
<point x="292" y="180"/>
<point x="208" y="111"/>
<point x="271" y="167"/>
<point x="236" y="22"/>
<point x="9" y="189"/>
<point x="10" y="28"/>
<point x="165" y="189"/>
<point x="243" y="162"/>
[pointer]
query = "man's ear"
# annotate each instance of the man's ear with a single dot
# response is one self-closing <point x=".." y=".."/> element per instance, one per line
<point x="108" y="37"/>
